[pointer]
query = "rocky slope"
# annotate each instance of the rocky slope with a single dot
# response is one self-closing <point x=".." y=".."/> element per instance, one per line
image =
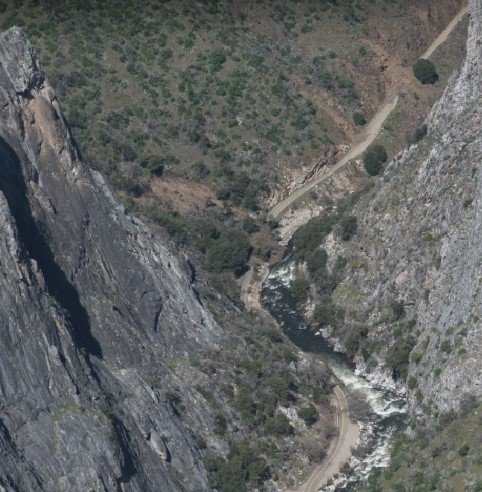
<point x="92" y="310"/>
<point x="414" y="266"/>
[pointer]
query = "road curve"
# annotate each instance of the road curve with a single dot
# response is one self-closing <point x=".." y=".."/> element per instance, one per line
<point x="339" y="451"/>
<point x="248" y="276"/>
<point x="371" y="132"/>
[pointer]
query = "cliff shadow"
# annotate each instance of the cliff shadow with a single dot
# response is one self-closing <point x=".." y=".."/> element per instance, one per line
<point x="30" y="235"/>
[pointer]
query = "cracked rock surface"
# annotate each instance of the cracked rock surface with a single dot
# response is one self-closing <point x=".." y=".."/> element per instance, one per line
<point x="92" y="309"/>
<point x="419" y="243"/>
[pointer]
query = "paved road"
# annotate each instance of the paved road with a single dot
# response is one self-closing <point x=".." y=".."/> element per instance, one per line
<point x="340" y="450"/>
<point x="371" y="132"/>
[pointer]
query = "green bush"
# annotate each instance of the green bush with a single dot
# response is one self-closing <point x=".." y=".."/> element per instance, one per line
<point x="398" y="357"/>
<point x="299" y="290"/>
<point x="374" y="158"/>
<point x="359" y="119"/>
<point x="464" y="450"/>
<point x="412" y="382"/>
<point x="308" y="237"/>
<point x="324" y="313"/>
<point x="220" y="425"/>
<point x="230" y="252"/>
<point x="279" y="425"/>
<point x="243" y="470"/>
<point x="309" y="414"/>
<point x="316" y="262"/>
<point x="154" y="164"/>
<point x="446" y="347"/>
<point x="425" y="71"/>
<point x="249" y="225"/>
<point x="418" y="135"/>
<point x="348" y="227"/>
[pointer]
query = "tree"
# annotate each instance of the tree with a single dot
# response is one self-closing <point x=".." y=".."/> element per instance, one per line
<point x="279" y="425"/>
<point x="243" y="469"/>
<point x="359" y="119"/>
<point x="230" y="252"/>
<point x="155" y="164"/>
<point x="374" y="158"/>
<point x="299" y="290"/>
<point x="425" y="71"/>
<point x="309" y="414"/>
<point x="348" y="227"/>
<point x="249" y="225"/>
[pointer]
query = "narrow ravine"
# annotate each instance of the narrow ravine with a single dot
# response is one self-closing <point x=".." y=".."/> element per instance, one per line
<point x="388" y="413"/>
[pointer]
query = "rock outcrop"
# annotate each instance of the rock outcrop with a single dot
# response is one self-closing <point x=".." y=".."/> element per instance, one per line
<point x="418" y="250"/>
<point x="93" y="308"/>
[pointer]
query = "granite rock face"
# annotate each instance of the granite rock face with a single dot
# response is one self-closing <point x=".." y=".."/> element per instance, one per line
<point x="419" y="246"/>
<point x="92" y="310"/>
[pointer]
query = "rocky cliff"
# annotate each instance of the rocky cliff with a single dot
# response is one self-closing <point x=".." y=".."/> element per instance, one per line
<point x="92" y="309"/>
<point x="415" y="266"/>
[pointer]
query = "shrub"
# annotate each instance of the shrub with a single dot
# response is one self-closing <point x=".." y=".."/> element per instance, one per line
<point x="323" y="314"/>
<point x="154" y="164"/>
<point x="425" y="71"/>
<point x="243" y="468"/>
<point x="374" y="158"/>
<point x="316" y="262"/>
<point x="308" y="237"/>
<point x="398" y="309"/>
<point x="398" y="358"/>
<point x="464" y="450"/>
<point x="412" y="382"/>
<point x="220" y="424"/>
<point x="419" y="134"/>
<point x="279" y="425"/>
<point x="309" y="414"/>
<point x="249" y="225"/>
<point x="230" y="252"/>
<point x="359" y="119"/>
<point x="299" y="290"/>
<point x="446" y="347"/>
<point x="348" y="227"/>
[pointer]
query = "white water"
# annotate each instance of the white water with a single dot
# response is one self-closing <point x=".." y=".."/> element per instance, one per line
<point x="388" y="409"/>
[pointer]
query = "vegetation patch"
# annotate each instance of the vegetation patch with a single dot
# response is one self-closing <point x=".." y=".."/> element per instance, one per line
<point x="374" y="158"/>
<point x="425" y="71"/>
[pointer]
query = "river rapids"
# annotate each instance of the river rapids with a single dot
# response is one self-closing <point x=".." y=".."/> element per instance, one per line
<point x="388" y="411"/>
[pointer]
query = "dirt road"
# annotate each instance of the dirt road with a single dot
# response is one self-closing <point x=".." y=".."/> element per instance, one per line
<point x="371" y="132"/>
<point x="445" y="33"/>
<point x="340" y="450"/>
<point x="245" y="286"/>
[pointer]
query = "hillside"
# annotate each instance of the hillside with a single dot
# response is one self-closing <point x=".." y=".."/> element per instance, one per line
<point x="395" y="281"/>
<point x="199" y="113"/>
<point x="128" y="361"/>
<point x="121" y="369"/>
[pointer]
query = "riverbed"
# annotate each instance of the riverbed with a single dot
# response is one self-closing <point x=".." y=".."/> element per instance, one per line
<point x="388" y="410"/>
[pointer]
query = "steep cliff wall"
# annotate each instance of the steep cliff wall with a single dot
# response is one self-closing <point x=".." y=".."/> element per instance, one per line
<point x="415" y="266"/>
<point x="92" y="308"/>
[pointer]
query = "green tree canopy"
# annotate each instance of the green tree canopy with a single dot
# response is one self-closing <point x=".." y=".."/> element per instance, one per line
<point x="374" y="158"/>
<point x="425" y="71"/>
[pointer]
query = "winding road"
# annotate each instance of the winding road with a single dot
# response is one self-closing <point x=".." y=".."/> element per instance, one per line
<point x="339" y="451"/>
<point x="370" y="134"/>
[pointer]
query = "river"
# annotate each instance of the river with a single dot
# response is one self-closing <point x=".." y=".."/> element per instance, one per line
<point x="388" y="411"/>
